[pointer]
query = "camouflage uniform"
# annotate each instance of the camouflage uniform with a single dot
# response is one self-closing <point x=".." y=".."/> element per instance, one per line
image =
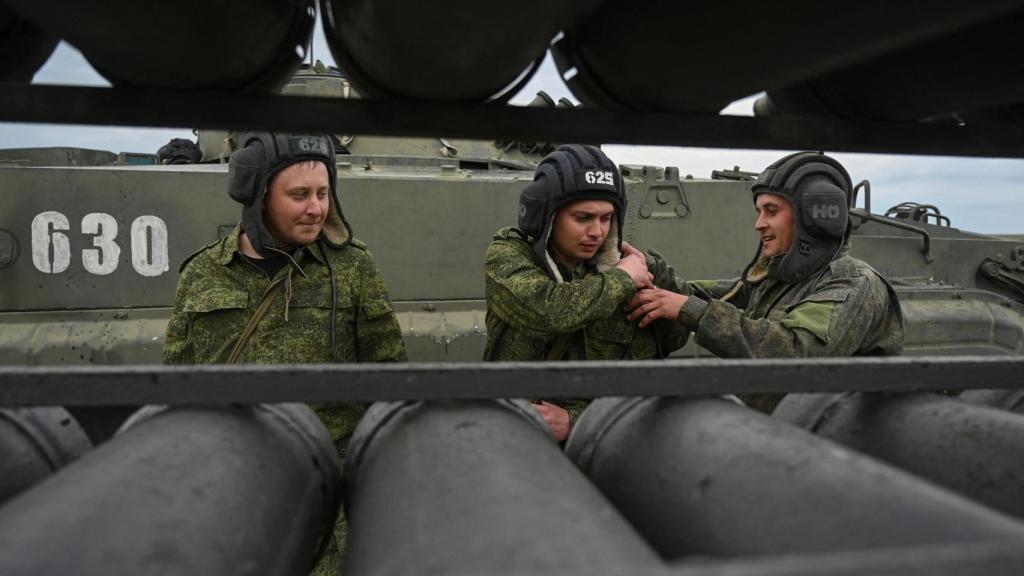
<point x="219" y="290"/>
<point x="847" y="309"/>
<point x="527" y="310"/>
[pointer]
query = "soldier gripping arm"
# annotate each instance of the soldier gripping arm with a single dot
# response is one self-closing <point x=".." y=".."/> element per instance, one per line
<point x="670" y="335"/>
<point x="836" y="319"/>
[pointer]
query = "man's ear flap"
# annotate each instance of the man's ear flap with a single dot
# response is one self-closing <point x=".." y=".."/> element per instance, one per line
<point x="243" y="174"/>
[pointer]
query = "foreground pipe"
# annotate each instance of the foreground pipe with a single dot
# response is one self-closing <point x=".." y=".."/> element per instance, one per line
<point x="226" y="45"/>
<point x="451" y="50"/>
<point x="243" y="490"/>
<point x="974" y="450"/>
<point x="475" y="488"/>
<point x="35" y="443"/>
<point x="670" y="56"/>
<point x="932" y="79"/>
<point x="712" y="477"/>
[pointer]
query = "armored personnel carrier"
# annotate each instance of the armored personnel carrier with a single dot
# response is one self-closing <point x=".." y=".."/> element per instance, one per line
<point x="861" y="469"/>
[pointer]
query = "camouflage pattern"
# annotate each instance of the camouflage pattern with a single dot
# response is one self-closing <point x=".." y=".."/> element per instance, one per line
<point x="847" y="309"/>
<point x="219" y="290"/>
<point x="527" y="310"/>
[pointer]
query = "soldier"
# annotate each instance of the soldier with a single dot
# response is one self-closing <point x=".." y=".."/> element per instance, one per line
<point x="289" y="284"/>
<point x="556" y="286"/>
<point x="802" y="295"/>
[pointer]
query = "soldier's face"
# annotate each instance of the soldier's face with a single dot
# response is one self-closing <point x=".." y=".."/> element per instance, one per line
<point x="774" y="223"/>
<point x="580" y="228"/>
<point x="296" y="204"/>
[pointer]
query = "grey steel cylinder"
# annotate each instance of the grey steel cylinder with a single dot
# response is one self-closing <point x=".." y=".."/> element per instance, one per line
<point x="654" y="55"/>
<point x="35" y="443"/>
<point x="453" y="50"/>
<point x="712" y="477"/>
<point x="925" y="81"/>
<point x="227" y="45"/>
<point x="475" y="488"/>
<point x="199" y="491"/>
<point x="974" y="450"/>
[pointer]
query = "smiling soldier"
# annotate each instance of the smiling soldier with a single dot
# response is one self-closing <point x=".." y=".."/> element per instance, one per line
<point x="556" y="285"/>
<point x="802" y="295"/>
<point x="289" y="284"/>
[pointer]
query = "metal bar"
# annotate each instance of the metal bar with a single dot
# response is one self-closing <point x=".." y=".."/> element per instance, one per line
<point x="127" y="107"/>
<point x="124" y="385"/>
<point x="926" y="249"/>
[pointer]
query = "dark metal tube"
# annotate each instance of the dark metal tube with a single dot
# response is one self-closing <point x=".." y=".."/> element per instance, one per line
<point x="931" y="79"/>
<point x="35" y="443"/>
<point x="226" y="45"/>
<point x="474" y="488"/>
<point x="653" y="55"/>
<point x="451" y="50"/>
<point x="713" y="477"/>
<point x="974" y="450"/>
<point x="241" y="490"/>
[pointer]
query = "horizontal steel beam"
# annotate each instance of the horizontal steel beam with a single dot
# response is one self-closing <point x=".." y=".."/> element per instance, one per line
<point x="130" y="385"/>
<point x="128" y="107"/>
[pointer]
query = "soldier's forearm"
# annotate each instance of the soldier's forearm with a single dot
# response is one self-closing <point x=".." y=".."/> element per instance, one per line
<point x="725" y="332"/>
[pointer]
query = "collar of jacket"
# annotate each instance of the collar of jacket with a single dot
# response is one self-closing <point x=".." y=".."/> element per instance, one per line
<point x="229" y="247"/>
<point x="576" y="272"/>
<point x="775" y="262"/>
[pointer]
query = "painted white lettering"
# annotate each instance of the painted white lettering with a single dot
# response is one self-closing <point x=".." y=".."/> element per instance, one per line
<point x="102" y="259"/>
<point x="149" y="246"/>
<point x="51" y="250"/>
<point x="830" y="211"/>
<point x="596" y="177"/>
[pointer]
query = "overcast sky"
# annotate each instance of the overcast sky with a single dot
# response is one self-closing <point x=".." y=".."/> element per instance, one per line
<point x="981" y="195"/>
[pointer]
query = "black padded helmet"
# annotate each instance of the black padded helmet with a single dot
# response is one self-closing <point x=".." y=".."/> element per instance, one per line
<point x="819" y="189"/>
<point x="261" y="155"/>
<point x="572" y="172"/>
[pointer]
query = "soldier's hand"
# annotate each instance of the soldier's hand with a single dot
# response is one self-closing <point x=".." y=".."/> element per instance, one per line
<point x="629" y="250"/>
<point x="652" y="303"/>
<point x="556" y="417"/>
<point x="636" y="267"/>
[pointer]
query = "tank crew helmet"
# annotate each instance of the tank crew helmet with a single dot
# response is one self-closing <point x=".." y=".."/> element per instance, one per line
<point x="572" y="172"/>
<point x="819" y="190"/>
<point x="254" y="163"/>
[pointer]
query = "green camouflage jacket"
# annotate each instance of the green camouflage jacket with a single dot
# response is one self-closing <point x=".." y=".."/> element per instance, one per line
<point x="527" y="310"/>
<point x="847" y="309"/>
<point x="219" y="290"/>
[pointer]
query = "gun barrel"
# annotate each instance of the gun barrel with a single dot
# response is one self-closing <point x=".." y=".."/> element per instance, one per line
<point x="974" y="450"/>
<point x="188" y="491"/>
<point x="712" y="477"/>
<point x="35" y="443"/>
<point x="475" y="487"/>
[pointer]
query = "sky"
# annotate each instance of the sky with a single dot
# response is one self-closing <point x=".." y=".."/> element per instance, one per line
<point x="977" y="194"/>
